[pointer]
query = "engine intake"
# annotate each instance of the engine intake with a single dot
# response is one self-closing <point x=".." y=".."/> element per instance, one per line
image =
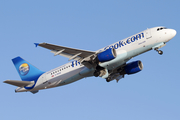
<point x="133" y="67"/>
<point x="107" y="55"/>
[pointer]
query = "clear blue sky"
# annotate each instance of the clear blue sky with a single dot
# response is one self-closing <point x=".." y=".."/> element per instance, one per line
<point x="152" y="94"/>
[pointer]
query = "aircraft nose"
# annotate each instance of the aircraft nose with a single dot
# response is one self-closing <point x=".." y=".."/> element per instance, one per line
<point x="173" y="32"/>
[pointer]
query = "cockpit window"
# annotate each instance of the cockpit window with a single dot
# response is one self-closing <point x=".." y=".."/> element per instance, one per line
<point x="161" y="28"/>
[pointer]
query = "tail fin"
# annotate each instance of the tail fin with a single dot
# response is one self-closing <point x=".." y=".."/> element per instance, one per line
<point x="26" y="71"/>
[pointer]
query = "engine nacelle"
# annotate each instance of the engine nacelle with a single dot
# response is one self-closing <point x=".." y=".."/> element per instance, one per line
<point x="107" y="55"/>
<point x="133" y="67"/>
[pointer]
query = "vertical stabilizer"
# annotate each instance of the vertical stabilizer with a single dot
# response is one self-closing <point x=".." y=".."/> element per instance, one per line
<point x="26" y="71"/>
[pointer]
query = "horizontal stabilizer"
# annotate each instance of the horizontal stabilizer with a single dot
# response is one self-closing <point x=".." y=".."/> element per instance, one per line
<point x="19" y="83"/>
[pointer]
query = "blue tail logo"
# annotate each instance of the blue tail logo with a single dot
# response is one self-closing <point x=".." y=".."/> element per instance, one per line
<point x="26" y="71"/>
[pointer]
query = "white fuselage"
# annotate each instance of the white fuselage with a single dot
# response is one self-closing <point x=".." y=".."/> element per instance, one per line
<point x="126" y="49"/>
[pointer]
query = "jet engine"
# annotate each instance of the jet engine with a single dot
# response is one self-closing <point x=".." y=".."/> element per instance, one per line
<point x="107" y="55"/>
<point x="133" y="67"/>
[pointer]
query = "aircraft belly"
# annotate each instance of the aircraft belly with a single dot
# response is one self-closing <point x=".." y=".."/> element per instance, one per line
<point x="140" y="47"/>
<point x="140" y="50"/>
<point x="68" y="77"/>
<point x="71" y="79"/>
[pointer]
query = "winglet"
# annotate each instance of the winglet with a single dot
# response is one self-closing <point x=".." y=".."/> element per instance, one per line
<point x="36" y="44"/>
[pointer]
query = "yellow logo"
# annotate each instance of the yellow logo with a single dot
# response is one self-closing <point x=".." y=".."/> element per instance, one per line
<point x="23" y="69"/>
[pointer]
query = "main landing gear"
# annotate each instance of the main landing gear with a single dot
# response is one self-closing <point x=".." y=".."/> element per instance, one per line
<point x="159" y="51"/>
<point x="108" y="79"/>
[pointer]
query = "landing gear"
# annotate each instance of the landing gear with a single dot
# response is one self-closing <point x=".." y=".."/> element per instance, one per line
<point x="159" y="51"/>
<point x="99" y="71"/>
<point x="96" y="73"/>
<point x="108" y="79"/>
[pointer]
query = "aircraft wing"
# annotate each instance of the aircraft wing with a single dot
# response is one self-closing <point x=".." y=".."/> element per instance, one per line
<point x="19" y="83"/>
<point x="70" y="53"/>
<point x="82" y="56"/>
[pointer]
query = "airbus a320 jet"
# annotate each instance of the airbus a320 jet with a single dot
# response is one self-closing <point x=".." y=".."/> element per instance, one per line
<point x="110" y="62"/>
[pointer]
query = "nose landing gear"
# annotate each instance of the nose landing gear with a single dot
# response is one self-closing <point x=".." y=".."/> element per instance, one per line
<point x="159" y="51"/>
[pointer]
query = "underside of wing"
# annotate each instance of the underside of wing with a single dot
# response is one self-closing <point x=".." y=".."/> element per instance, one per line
<point x="70" y="53"/>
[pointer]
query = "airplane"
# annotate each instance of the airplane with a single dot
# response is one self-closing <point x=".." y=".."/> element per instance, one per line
<point x="109" y="63"/>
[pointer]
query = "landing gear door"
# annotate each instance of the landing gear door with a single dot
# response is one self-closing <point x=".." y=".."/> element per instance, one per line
<point x="148" y="34"/>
